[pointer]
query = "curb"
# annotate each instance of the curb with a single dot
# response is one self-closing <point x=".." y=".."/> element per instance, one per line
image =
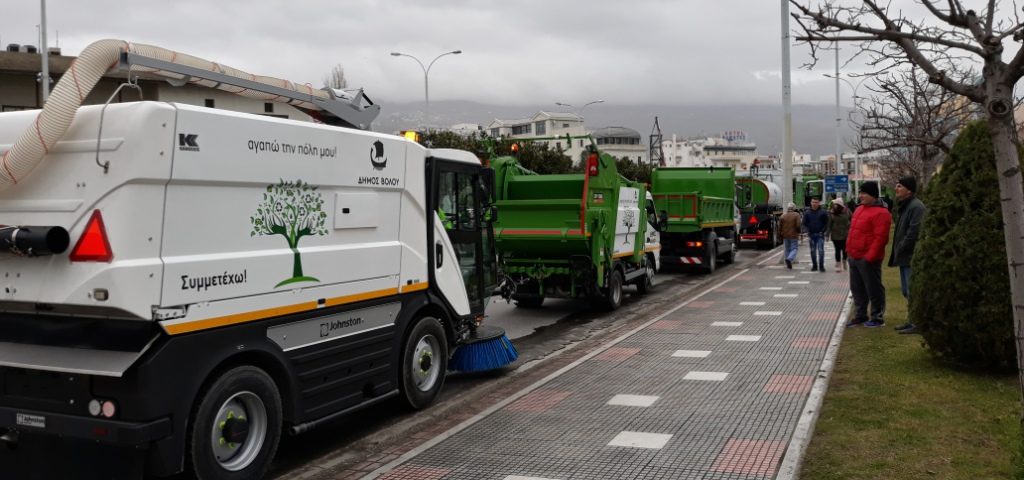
<point x="789" y="469"/>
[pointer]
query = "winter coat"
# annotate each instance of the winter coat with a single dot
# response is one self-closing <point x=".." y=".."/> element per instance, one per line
<point x="869" y="233"/>
<point x="789" y="225"/>
<point x="839" y="225"/>
<point x="816" y="221"/>
<point x="909" y="217"/>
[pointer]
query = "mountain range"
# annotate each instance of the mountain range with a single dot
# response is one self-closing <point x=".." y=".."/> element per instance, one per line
<point x="814" y="126"/>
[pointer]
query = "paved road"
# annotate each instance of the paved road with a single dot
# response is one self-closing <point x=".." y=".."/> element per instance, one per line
<point x="561" y="328"/>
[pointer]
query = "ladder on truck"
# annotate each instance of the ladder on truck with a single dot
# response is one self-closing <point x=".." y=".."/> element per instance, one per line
<point x="341" y="108"/>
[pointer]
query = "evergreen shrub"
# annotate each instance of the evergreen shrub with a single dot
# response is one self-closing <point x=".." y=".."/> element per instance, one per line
<point x="960" y="290"/>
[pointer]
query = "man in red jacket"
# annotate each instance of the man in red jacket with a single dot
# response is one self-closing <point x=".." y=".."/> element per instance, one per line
<point x="865" y="245"/>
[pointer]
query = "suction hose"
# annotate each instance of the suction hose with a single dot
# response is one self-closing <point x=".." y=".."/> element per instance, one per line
<point x="97" y="59"/>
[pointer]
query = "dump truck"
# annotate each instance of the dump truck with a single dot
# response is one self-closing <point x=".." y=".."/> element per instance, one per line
<point x="760" y="204"/>
<point x="696" y="211"/>
<point x="184" y="285"/>
<point x="571" y="235"/>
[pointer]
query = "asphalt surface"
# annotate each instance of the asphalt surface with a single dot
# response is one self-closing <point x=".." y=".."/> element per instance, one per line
<point x="545" y="337"/>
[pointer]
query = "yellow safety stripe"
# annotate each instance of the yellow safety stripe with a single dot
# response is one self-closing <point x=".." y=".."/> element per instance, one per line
<point x="719" y="224"/>
<point x="620" y="255"/>
<point x="245" y="317"/>
<point x="652" y="249"/>
<point x="415" y="287"/>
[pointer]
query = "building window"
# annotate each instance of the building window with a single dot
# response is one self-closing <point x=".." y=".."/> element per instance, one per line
<point x="521" y="129"/>
<point x="268" y="107"/>
<point x="581" y="143"/>
<point x="565" y="125"/>
<point x="541" y="128"/>
<point x="209" y="103"/>
<point x="558" y="146"/>
<point x="494" y="132"/>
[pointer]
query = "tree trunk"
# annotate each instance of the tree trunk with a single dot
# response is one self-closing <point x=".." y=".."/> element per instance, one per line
<point x="296" y="263"/>
<point x="1011" y="198"/>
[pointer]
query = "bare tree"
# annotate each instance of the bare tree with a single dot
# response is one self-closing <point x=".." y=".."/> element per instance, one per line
<point x="336" y="79"/>
<point x="951" y="44"/>
<point x="912" y="119"/>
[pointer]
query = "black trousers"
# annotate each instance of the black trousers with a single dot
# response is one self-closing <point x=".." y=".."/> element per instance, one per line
<point x="866" y="287"/>
<point x="840" y="249"/>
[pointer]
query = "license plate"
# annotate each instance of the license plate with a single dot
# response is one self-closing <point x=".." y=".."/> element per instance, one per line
<point x="26" y="420"/>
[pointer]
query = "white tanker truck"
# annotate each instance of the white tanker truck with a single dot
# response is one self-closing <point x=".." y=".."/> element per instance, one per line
<point x="760" y="205"/>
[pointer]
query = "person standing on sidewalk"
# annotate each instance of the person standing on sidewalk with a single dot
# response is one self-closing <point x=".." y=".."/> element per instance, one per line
<point x="839" y="228"/>
<point x="869" y="234"/>
<point x="816" y="223"/>
<point x="910" y="213"/>
<point x="789" y="226"/>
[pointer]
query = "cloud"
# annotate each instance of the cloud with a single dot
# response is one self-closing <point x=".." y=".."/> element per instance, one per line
<point x="525" y="52"/>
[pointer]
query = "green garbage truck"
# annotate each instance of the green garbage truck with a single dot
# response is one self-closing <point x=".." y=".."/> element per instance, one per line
<point x="571" y="235"/>
<point x="696" y="210"/>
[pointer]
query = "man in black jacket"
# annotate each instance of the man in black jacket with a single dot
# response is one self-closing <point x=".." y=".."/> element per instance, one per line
<point x="816" y="223"/>
<point x="909" y="216"/>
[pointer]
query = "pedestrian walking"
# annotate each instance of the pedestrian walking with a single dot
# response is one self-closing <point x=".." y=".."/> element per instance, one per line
<point x="869" y="234"/>
<point x="789" y="226"/>
<point x="910" y="212"/>
<point x="816" y="223"/>
<point x="838" y="229"/>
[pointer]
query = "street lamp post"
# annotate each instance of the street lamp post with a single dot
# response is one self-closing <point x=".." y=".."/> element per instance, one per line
<point x="45" y="72"/>
<point x="839" y="120"/>
<point x="580" y="111"/>
<point x="426" y="80"/>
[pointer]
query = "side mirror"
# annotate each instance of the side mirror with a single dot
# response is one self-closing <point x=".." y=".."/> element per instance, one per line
<point x="490" y="213"/>
<point x="487" y="181"/>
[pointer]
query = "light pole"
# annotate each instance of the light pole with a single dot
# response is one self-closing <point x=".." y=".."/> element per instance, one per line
<point x="853" y="88"/>
<point x="426" y="80"/>
<point x="580" y="111"/>
<point x="45" y="75"/>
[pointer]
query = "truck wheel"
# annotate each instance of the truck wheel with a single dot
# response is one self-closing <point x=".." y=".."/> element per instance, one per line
<point x="712" y="258"/>
<point x="645" y="283"/>
<point x="613" y="297"/>
<point x="424" y="361"/>
<point x="730" y="257"/>
<point x="235" y="428"/>
<point x="529" y="302"/>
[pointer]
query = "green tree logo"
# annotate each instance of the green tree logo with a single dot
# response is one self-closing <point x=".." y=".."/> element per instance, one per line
<point x="292" y="210"/>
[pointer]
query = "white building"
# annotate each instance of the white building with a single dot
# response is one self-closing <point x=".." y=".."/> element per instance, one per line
<point x="622" y="142"/>
<point x="721" y="151"/>
<point x="21" y="91"/>
<point x="560" y="131"/>
<point x="467" y="129"/>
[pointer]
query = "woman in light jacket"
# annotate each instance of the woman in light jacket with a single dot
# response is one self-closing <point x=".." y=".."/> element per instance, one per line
<point x="839" y="228"/>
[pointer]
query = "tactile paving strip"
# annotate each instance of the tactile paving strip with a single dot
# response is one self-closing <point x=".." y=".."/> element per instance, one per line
<point x="733" y="421"/>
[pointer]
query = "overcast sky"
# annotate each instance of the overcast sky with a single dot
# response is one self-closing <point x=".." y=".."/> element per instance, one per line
<point x="637" y="52"/>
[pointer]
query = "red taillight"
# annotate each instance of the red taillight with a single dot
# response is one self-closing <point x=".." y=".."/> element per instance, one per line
<point x="93" y="245"/>
<point x="694" y="244"/>
<point x="753" y="220"/>
<point x="592" y="165"/>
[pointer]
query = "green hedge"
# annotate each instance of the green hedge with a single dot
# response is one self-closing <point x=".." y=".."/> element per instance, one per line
<point x="960" y="290"/>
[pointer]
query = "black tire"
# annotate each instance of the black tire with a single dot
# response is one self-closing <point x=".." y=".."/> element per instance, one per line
<point x="529" y="302"/>
<point x="711" y="254"/>
<point x="613" y="295"/>
<point x="424" y="363"/>
<point x="645" y="283"/>
<point x="247" y="398"/>
<point x="730" y="257"/>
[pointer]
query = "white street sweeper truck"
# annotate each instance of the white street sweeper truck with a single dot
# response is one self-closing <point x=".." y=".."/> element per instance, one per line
<point x="183" y="285"/>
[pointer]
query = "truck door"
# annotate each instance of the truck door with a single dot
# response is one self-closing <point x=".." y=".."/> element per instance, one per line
<point x="460" y="198"/>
